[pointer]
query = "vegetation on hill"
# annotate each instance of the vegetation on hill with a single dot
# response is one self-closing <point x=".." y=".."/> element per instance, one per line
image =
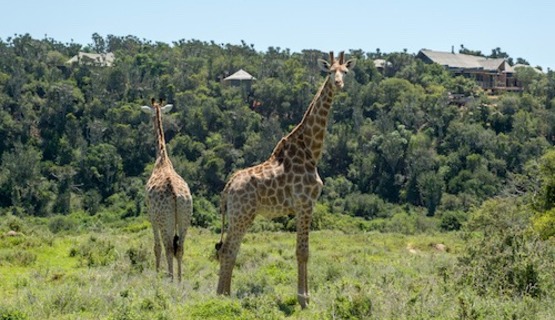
<point x="72" y="136"/>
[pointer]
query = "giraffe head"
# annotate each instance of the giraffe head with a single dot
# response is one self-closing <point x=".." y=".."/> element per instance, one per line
<point x="156" y="105"/>
<point x="156" y="111"/>
<point x="337" y="69"/>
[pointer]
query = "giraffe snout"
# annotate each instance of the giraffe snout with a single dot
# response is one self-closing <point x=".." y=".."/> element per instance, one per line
<point x="339" y="84"/>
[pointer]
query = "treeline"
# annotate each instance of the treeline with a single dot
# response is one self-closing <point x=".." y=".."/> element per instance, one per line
<point x="72" y="137"/>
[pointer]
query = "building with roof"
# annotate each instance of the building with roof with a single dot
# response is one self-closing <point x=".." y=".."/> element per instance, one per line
<point x="98" y="59"/>
<point x="241" y="79"/>
<point x="381" y="64"/>
<point x="492" y="74"/>
<point x="238" y="77"/>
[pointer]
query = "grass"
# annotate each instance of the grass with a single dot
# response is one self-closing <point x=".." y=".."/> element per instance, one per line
<point x="109" y="274"/>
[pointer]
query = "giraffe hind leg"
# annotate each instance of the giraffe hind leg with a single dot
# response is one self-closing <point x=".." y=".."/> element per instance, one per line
<point x="183" y="221"/>
<point x="168" y="248"/>
<point x="228" y="253"/>
<point x="157" y="247"/>
<point x="178" y="253"/>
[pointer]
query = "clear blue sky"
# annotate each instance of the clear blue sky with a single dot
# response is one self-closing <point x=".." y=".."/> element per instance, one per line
<point x="521" y="28"/>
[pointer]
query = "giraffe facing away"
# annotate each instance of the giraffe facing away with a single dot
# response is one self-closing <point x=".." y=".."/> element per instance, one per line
<point x="287" y="183"/>
<point x="168" y="199"/>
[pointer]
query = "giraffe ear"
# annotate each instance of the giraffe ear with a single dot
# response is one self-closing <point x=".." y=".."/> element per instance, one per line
<point x="350" y="64"/>
<point x="324" y="65"/>
<point x="147" y="109"/>
<point x="167" y="108"/>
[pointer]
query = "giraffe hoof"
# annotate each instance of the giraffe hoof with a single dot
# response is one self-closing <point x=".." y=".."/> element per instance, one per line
<point x="304" y="300"/>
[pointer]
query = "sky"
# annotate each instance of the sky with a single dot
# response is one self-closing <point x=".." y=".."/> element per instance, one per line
<point x="524" y="29"/>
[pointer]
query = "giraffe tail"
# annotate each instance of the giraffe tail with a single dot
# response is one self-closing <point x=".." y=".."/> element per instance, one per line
<point x="175" y="244"/>
<point x="223" y="211"/>
<point x="176" y="235"/>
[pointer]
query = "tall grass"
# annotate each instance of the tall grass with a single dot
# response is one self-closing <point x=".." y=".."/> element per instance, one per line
<point x="109" y="274"/>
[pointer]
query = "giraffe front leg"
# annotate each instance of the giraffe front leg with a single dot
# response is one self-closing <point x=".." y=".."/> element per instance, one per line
<point x="303" y="227"/>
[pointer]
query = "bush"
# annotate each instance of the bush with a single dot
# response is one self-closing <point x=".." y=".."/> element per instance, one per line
<point x="14" y="223"/>
<point x="451" y="221"/>
<point x="358" y="306"/>
<point x="61" y="223"/>
<point x="216" y="309"/>
<point x="7" y="314"/>
<point x="95" y="252"/>
<point x="18" y="257"/>
<point x="544" y="224"/>
<point x="205" y="214"/>
<point x="502" y="256"/>
<point x="138" y="257"/>
<point x="368" y="206"/>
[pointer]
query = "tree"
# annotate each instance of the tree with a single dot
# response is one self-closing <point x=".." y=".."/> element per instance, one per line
<point x="22" y="182"/>
<point x="547" y="181"/>
<point x="101" y="169"/>
<point x="464" y="50"/>
<point x="431" y="186"/>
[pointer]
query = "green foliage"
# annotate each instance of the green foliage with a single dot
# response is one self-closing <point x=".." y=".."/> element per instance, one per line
<point x="352" y="274"/>
<point x="9" y="314"/>
<point x="72" y="136"/>
<point x="358" y="306"/>
<point x="216" y="309"/>
<point x="94" y="252"/>
<point x="502" y="255"/>
<point x="547" y="180"/>
<point x="17" y="258"/>
<point x="452" y="220"/>
<point x="138" y="257"/>
<point x="368" y="206"/>
<point x="205" y="214"/>
<point x="11" y="222"/>
<point x="61" y="223"/>
<point x="544" y="224"/>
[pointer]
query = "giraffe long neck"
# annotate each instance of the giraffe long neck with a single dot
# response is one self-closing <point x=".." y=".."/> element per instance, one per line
<point x="161" y="154"/>
<point x="312" y="128"/>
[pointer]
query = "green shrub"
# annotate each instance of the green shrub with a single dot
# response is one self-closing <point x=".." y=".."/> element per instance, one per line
<point x="17" y="257"/>
<point x="13" y="223"/>
<point x="137" y="226"/>
<point x="94" y="252"/>
<point x="368" y="206"/>
<point x="502" y="256"/>
<point x="356" y="306"/>
<point x="138" y="257"/>
<point x="544" y="224"/>
<point x="8" y="314"/>
<point x="402" y="223"/>
<point x="451" y="221"/>
<point x="205" y="214"/>
<point x="216" y="308"/>
<point x="59" y="223"/>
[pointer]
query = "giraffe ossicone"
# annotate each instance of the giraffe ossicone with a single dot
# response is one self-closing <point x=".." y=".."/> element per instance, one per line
<point x="168" y="198"/>
<point x="287" y="183"/>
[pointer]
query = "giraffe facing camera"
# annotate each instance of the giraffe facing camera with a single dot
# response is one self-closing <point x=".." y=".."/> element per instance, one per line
<point x="287" y="183"/>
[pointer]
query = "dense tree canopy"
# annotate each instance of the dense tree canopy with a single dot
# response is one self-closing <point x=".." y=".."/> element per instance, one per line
<point x="72" y="137"/>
